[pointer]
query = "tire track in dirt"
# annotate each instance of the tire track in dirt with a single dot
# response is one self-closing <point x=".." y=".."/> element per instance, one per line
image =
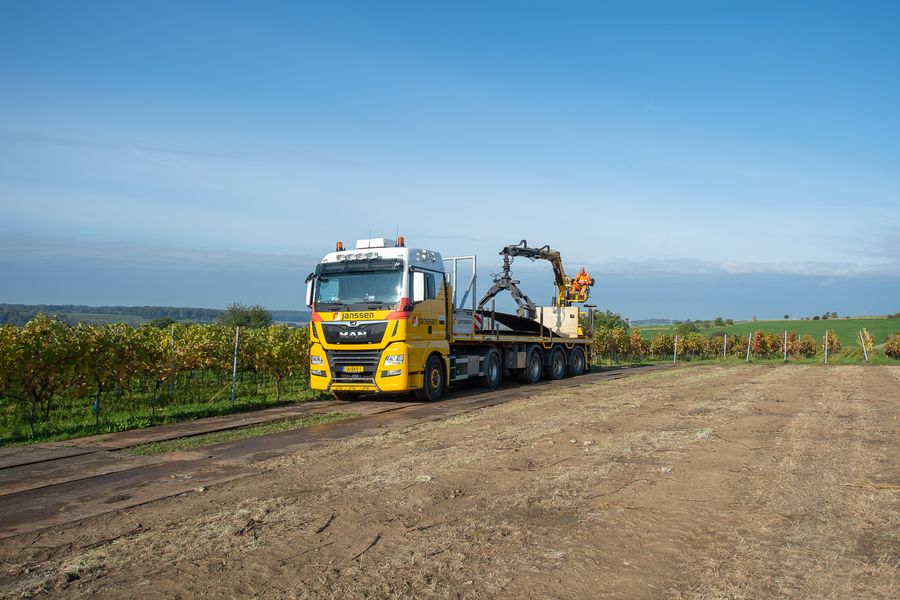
<point x="653" y="501"/>
<point x="173" y="543"/>
<point x="819" y="518"/>
<point x="683" y="483"/>
<point x="57" y="491"/>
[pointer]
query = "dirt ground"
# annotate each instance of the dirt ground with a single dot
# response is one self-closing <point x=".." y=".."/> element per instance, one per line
<point x="698" y="482"/>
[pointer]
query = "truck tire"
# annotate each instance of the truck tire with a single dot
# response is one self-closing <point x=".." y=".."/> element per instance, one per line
<point x="534" y="366"/>
<point x="346" y="396"/>
<point x="577" y="362"/>
<point x="493" y="371"/>
<point x="433" y="385"/>
<point x="556" y="364"/>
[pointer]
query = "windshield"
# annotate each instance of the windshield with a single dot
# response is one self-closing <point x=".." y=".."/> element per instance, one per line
<point x="354" y="288"/>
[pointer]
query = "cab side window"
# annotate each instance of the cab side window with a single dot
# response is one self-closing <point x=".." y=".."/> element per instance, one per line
<point x="433" y="282"/>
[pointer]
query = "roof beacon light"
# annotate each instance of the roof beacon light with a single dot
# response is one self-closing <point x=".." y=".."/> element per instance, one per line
<point x="401" y="241"/>
<point x="339" y="246"/>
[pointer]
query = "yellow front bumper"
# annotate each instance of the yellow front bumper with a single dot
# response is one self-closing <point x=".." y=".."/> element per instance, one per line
<point x="325" y="379"/>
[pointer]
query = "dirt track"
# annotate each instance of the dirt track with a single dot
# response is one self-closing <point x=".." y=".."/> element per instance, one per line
<point x="704" y="482"/>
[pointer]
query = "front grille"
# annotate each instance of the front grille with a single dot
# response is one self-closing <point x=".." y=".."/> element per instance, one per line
<point x="354" y="332"/>
<point x="367" y="359"/>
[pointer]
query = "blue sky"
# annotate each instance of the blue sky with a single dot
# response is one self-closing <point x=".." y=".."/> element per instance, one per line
<point x="701" y="159"/>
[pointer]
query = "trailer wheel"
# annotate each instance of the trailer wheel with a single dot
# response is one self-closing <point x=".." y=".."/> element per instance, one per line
<point x="346" y="396"/>
<point x="433" y="386"/>
<point x="493" y="372"/>
<point x="577" y="362"/>
<point x="534" y="366"/>
<point x="556" y="365"/>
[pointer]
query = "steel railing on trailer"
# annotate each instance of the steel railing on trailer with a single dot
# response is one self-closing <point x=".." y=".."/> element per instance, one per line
<point x="470" y="291"/>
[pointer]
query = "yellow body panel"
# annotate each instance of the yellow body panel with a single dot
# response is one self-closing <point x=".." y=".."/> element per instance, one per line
<point x="415" y="337"/>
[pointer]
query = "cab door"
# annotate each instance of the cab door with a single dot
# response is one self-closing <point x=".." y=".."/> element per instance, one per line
<point x="429" y="321"/>
<point x="427" y="330"/>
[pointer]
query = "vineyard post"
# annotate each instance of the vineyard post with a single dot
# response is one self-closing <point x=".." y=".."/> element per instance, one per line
<point x="172" y="368"/>
<point x="826" y="346"/>
<point x="863" y="342"/>
<point x="748" y="347"/>
<point x="724" y="346"/>
<point x="675" y="349"/>
<point x="785" y="345"/>
<point x="118" y="385"/>
<point x="237" y="337"/>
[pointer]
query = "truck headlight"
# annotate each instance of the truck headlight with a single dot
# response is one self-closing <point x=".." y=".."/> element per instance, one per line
<point x="317" y="372"/>
<point x="391" y="373"/>
<point x="393" y="359"/>
<point x="316" y="360"/>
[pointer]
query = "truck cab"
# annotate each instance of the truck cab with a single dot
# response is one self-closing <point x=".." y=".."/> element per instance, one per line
<point x="379" y="312"/>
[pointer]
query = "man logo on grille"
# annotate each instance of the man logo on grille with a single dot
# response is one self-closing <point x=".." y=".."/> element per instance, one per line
<point x="353" y="334"/>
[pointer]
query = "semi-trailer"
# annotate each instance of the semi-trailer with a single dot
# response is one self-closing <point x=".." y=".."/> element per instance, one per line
<point x="387" y="318"/>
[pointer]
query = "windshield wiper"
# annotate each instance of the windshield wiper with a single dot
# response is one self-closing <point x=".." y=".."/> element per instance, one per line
<point x="338" y="304"/>
<point x="371" y="305"/>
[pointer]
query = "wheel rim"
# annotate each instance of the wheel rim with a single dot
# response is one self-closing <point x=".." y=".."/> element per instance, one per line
<point x="578" y="362"/>
<point x="535" y="367"/>
<point x="493" y="370"/>
<point x="435" y="378"/>
<point x="558" y="364"/>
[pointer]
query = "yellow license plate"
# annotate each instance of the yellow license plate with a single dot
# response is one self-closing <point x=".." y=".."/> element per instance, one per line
<point x="353" y="369"/>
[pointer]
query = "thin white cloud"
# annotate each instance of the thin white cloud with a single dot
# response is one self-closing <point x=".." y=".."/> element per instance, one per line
<point x="17" y="248"/>
<point x="234" y="151"/>
<point x="44" y="250"/>
<point x="884" y="246"/>
<point x="639" y="266"/>
<point x="696" y="266"/>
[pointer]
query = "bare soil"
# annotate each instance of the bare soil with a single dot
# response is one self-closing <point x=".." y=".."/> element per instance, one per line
<point x="701" y="482"/>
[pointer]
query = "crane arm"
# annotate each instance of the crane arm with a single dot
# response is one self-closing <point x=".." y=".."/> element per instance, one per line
<point x="561" y="280"/>
<point x="504" y="281"/>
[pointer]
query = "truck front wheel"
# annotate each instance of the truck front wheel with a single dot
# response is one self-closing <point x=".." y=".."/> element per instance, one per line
<point x="433" y="386"/>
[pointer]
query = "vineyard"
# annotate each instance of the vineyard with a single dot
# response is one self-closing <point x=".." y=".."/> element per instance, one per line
<point x="616" y="344"/>
<point x="59" y="381"/>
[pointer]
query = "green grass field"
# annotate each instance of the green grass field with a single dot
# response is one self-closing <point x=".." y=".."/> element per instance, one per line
<point x="846" y="329"/>
<point x="241" y="433"/>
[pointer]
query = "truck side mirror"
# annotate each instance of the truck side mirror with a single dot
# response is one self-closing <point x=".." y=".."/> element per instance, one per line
<point x="418" y="286"/>
<point x="309" y="290"/>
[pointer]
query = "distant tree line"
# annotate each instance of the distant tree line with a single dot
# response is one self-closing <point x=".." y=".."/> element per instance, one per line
<point x="689" y="326"/>
<point x="254" y="317"/>
<point x="692" y="325"/>
<point x="20" y="314"/>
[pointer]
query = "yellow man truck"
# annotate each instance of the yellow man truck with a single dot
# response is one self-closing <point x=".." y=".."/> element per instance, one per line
<point x="387" y="318"/>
